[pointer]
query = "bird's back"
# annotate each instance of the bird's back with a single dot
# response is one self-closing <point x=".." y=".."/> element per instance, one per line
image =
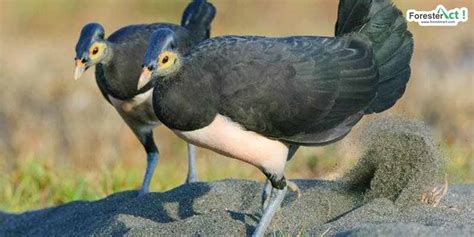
<point x="304" y="90"/>
<point x="138" y="32"/>
<point x="292" y="89"/>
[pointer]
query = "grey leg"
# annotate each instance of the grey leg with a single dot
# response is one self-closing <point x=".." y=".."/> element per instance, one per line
<point x="291" y="185"/>
<point x="274" y="204"/>
<point x="192" y="176"/>
<point x="274" y="191"/>
<point x="267" y="191"/>
<point x="152" y="160"/>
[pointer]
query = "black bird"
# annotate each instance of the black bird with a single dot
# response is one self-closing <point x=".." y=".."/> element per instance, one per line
<point x="258" y="99"/>
<point x="118" y="61"/>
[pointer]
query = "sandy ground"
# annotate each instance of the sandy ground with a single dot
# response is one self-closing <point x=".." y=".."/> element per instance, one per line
<point x="398" y="188"/>
<point x="232" y="207"/>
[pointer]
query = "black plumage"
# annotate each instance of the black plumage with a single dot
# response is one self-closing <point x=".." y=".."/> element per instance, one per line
<point x="309" y="85"/>
<point x="281" y="93"/>
<point x="296" y="89"/>
<point x="384" y="26"/>
<point x="197" y="18"/>
<point x="118" y="61"/>
<point x="128" y="45"/>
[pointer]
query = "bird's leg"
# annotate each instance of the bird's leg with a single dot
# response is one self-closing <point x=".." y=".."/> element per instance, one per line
<point x="192" y="175"/>
<point x="291" y="185"/>
<point x="278" y="191"/>
<point x="274" y="191"/>
<point x="267" y="191"/>
<point x="152" y="160"/>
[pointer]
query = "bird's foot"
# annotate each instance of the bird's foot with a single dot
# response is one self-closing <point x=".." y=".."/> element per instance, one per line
<point x="192" y="178"/>
<point x="293" y="187"/>
<point x="142" y="192"/>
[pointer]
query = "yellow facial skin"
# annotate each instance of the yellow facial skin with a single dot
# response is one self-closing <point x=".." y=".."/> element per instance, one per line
<point x="167" y="63"/>
<point x="96" y="51"/>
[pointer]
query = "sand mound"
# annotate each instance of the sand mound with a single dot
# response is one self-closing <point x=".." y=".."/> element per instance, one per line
<point x="400" y="162"/>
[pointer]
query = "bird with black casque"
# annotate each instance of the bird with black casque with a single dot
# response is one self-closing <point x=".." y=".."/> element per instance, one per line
<point x="257" y="99"/>
<point x="118" y="61"/>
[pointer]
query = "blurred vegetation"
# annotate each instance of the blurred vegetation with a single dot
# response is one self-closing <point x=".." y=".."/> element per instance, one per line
<point x="60" y="141"/>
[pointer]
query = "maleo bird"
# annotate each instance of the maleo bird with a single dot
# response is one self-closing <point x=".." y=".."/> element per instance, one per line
<point x="118" y="61"/>
<point x="258" y="99"/>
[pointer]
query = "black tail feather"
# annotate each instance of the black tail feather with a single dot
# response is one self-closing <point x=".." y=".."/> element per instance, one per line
<point x="352" y="15"/>
<point x="384" y="25"/>
<point x="197" y="18"/>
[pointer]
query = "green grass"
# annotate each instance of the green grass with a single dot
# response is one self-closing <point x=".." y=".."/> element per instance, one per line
<point x="36" y="183"/>
<point x="459" y="163"/>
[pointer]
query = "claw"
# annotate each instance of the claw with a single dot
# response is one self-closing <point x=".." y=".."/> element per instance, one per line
<point x="142" y="193"/>
<point x="292" y="186"/>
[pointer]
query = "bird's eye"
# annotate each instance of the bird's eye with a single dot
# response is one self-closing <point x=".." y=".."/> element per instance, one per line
<point x="95" y="50"/>
<point x="165" y="59"/>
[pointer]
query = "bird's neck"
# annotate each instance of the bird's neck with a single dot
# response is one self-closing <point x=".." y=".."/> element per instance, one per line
<point x="185" y="101"/>
<point x="109" y="54"/>
<point x="121" y="68"/>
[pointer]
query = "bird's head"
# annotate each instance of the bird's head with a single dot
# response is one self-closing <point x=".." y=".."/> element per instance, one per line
<point x="162" y="58"/>
<point x="90" y="49"/>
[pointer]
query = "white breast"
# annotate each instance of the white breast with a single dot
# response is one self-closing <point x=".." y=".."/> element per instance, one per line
<point x="230" y="139"/>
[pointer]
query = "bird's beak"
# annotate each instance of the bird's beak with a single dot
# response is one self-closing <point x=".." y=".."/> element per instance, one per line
<point x="80" y="69"/>
<point x="144" y="78"/>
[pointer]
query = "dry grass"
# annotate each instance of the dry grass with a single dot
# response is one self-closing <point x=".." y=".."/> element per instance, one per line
<point x="57" y="134"/>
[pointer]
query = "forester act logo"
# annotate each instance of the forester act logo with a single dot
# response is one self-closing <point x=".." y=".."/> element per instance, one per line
<point x="438" y="17"/>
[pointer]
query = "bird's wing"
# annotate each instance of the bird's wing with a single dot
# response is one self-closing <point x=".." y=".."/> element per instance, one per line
<point x="291" y="88"/>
